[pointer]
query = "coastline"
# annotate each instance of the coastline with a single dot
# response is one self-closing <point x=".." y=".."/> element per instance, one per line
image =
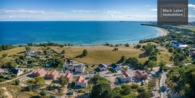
<point x="162" y="31"/>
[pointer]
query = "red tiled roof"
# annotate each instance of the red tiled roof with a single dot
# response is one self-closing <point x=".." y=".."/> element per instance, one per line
<point x="139" y="73"/>
<point x="126" y="74"/>
<point x="79" y="79"/>
<point x="40" y="71"/>
<point x="68" y="75"/>
<point x="53" y="72"/>
<point x="84" y="81"/>
<point x="34" y="72"/>
<point x="48" y="73"/>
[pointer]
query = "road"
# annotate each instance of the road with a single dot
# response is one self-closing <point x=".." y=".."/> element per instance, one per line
<point x="163" y="85"/>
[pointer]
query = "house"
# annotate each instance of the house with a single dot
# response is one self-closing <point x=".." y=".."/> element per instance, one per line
<point x="39" y="72"/>
<point x="115" y="67"/>
<point x="75" y="67"/>
<point x="80" y="82"/>
<point x="80" y="68"/>
<point x="51" y="75"/>
<point x="125" y="77"/>
<point x="192" y="52"/>
<point x="102" y="67"/>
<point x="17" y="72"/>
<point x="1" y="71"/>
<point x="179" y="45"/>
<point x="68" y="76"/>
<point x="141" y="75"/>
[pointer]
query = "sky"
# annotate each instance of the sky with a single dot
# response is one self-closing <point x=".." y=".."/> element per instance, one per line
<point x="64" y="10"/>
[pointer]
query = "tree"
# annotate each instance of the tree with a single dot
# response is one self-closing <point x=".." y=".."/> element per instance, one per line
<point x="100" y="90"/>
<point x="151" y="64"/>
<point x="42" y="93"/>
<point x="11" y="64"/>
<point x="63" y="52"/>
<point x="144" y="95"/>
<point x="17" y="82"/>
<point x="63" y="80"/>
<point x="29" y="87"/>
<point x="27" y="48"/>
<point x="116" y="92"/>
<point x="123" y="58"/>
<point x="126" y="89"/>
<point x="161" y="64"/>
<point x="149" y="49"/>
<point x="84" y="53"/>
<point x="39" y="81"/>
<point x="4" y="55"/>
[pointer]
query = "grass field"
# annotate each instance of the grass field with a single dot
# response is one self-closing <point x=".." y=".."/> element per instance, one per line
<point x="105" y="54"/>
<point x="96" y="54"/>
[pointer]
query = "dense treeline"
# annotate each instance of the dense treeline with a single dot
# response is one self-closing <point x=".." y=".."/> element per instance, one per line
<point x="5" y="47"/>
<point x="46" y="44"/>
<point x="150" y="51"/>
<point x="182" y="81"/>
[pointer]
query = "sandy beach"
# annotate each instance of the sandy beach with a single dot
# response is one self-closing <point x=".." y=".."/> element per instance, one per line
<point x="163" y="32"/>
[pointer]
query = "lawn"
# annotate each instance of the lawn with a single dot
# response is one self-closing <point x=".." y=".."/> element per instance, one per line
<point x="105" y="54"/>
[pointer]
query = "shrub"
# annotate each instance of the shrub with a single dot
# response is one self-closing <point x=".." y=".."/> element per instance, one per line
<point x="42" y="93"/>
<point x="17" y="82"/>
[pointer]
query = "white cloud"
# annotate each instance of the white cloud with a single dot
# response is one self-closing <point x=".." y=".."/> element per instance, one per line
<point x="142" y="17"/>
<point x="85" y="11"/>
<point x="153" y="9"/>
<point x="23" y="11"/>
<point x="81" y="11"/>
<point x="191" y="5"/>
<point x="191" y="16"/>
<point x="111" y="15"/>
<point x="147" y="5"/>
<point x="112" y="12"/>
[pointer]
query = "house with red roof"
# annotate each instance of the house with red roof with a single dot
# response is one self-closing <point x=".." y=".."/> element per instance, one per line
<point x="81" y="82"/>
<point x="141" y="75"/>
<point x="68" y="76"/>
<point x="51" y="75"/>
<point x="39" y="72"/>
<point x="125" y="77"/>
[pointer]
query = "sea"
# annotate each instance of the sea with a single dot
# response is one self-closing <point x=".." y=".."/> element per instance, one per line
<point x="85" y="33"/>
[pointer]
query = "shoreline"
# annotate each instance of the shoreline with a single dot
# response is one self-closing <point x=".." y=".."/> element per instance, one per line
<point x="162" y="31"/>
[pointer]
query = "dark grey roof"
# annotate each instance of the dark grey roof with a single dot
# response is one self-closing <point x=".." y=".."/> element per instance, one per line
<point x="102" y="65"/>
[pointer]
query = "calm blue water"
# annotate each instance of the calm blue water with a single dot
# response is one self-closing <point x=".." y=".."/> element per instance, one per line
<point x="77" y="33"/>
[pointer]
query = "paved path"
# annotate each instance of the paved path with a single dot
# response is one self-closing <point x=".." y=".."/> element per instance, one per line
<point x="162" y="84"/>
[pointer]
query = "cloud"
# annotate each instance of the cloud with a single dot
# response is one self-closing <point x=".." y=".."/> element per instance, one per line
<point x="112" y="12"/>
<point x="85" y="11"/>
<point x="23" y="11"/>
<point x="81" y="11"/>
<point x="111" y="15"/>
<point x="191" y="16"/>
<point x="147" y="5"/>
<point x="153" y="9"/>
<point x="191" y="5"/>
<point x="142" y="17"/>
